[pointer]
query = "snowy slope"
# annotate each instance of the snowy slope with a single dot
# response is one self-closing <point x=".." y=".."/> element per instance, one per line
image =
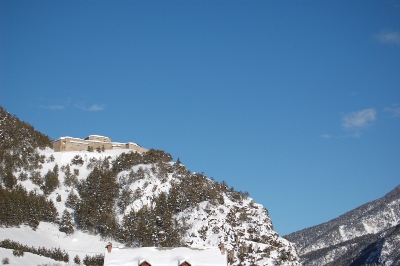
<point x="244" y="227"/>
<point x="47" y="235"/>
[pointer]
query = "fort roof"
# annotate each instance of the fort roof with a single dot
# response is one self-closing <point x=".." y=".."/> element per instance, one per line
<point x="97" y="136"/>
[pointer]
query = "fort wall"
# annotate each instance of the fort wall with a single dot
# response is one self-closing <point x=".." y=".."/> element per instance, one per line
<point x="92" y="142"/>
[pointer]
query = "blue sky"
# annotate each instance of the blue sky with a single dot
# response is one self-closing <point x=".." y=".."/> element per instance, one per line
<point x="295" y="102"/>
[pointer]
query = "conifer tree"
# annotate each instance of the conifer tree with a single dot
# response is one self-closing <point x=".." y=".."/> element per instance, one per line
<point x="68" y="174"/>
<point x="124" y="199"/>
<point x="51" y="182"/>
<point x="9" y="179"/>
<point x="77" y="260"/>
<point x="72" y="200"/>
<point x="95" y="211"/>
<point x="66" y="223"/>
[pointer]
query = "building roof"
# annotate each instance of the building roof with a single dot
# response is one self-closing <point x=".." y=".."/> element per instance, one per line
<point x="164" y="256"/>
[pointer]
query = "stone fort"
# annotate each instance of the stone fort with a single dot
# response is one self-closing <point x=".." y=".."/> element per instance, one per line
<point x="93" y="142"/>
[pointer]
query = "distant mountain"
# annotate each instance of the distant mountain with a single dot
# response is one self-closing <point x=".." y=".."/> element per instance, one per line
<point x="367" y="235"/>
<point x="129" y="198"/>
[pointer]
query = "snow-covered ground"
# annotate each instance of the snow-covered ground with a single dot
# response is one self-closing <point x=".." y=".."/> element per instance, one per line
<point x="47" y="235"/>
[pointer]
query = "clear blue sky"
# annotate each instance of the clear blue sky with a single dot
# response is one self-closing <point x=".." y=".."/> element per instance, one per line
<point x="296" y="102"/>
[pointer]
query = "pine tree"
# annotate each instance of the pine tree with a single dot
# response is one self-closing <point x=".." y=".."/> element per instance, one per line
<point x="77" y="160"/>
<point x="68" y="174"/>
<point x="66" y="223"/>
<point x="9" y="180"/>
<point x="72" y="200"/>
<point x="129" y="228"/>
<point x="77" y="260"/>
<point x="124" y="199"/>
<point x="51" y="181"/>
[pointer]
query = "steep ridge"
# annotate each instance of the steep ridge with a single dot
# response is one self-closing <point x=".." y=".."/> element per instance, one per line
<point x="368" y="233"/>
<point x="133" y="199"/>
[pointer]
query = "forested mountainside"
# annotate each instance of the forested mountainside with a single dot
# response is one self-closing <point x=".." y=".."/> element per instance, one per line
<point x="130" y="198"/>
<point x="18" y="144"/>
<point x="367" y="235"/>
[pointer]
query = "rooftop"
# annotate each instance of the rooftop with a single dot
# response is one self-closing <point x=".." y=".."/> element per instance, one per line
<point x="165" y="256"/>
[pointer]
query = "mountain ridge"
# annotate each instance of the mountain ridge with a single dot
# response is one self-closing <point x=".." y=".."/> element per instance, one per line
<point x="350" y="238"/>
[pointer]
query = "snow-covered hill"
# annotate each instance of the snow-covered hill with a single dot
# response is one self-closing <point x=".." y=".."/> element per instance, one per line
<point x="367" y="234"/>
<point x="68" y="205"/>
<point x="243" y="226"/>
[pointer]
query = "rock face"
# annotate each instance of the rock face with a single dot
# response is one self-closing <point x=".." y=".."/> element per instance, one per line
<point x="367" y="235"/>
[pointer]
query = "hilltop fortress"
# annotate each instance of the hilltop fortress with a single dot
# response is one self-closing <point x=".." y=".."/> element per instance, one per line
<point x="93" y="142"/>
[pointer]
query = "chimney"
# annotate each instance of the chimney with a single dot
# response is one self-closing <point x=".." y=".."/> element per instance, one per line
<point x="109" y="247"/>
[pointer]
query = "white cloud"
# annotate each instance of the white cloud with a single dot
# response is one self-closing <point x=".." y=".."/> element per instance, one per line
<point x="82" y="105"/>
<point x="95" y="107"/>
<point x="394" y="109"/>
<point x="389" y="37"/>
<point x="359" y="119"/>
<point x="92" y="108"/>
<point x="52" y="107"/>
<point x="326" y="136"/>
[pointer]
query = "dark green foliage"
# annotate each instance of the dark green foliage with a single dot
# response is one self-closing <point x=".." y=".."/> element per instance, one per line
<point x="23" y="176"/>
<point x="192" y="190"/>
<point x="66" y="225"/>
<point x="18" y="207"/>
<point x="127" y="160"/>
<point x="154" y="156"/>
<point x="18" y="253"/>
<point x="72" y="200"/>
<point x="18" y="143"/>
<point x="151" y="227"/>
<point x="36" y="178"/>
<point x="77" y="260"/>
<point x="99" y="163"/>
<point x="33" y="222"/>
<point x="5" y="261"/>
<point x="70" y="179"/>
<point x="180" y="171"/>
<point x="19" y="249"/>
<point x="95" y="260"/>
<point x="9" y="180"/>
<point x="140" y="174"/>
<point x="95" y="211"/>
<point x="124" y="199"/>
<point x="77" y="160"/>
<point x="51" y="181"/>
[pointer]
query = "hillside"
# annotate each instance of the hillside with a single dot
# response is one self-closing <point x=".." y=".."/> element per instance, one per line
<point x="367" y="235"/>
<point x="18" y="144"/>
<point x="78" y="201"/>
